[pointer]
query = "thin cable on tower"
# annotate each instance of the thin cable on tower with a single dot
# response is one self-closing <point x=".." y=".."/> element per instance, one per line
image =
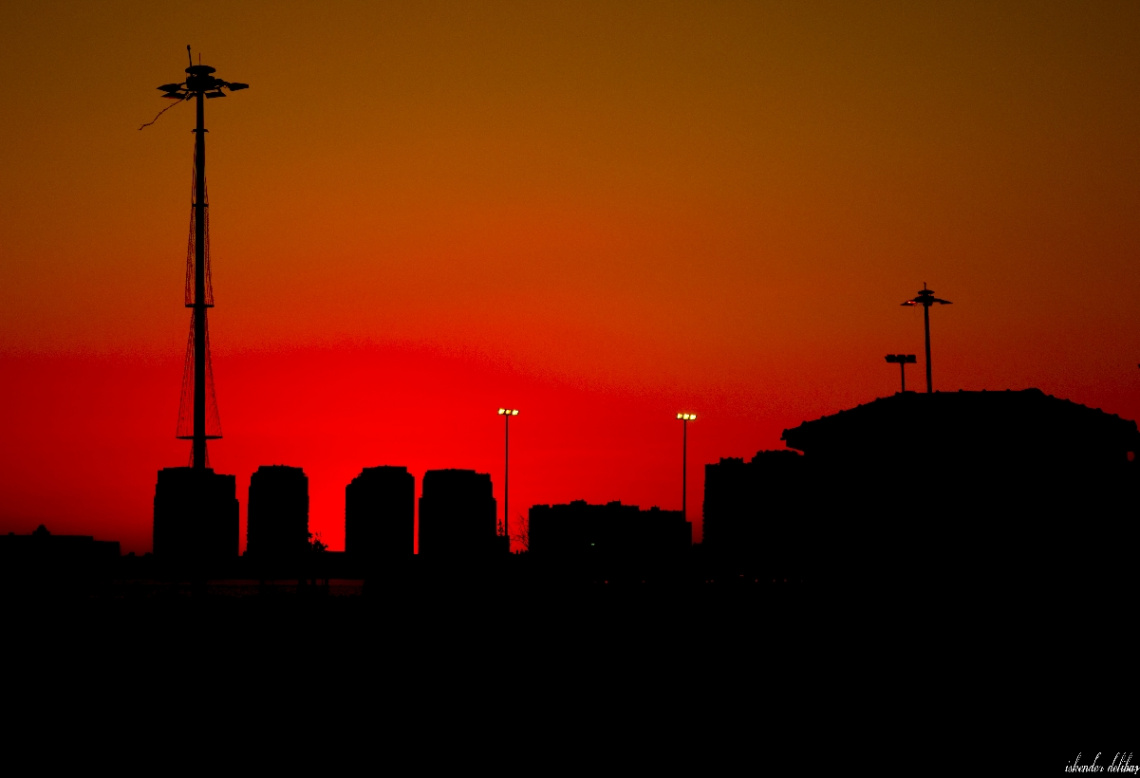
<point x="160" y="113"/>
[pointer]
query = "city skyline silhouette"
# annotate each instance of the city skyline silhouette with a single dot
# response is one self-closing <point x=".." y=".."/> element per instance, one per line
<point x="602" y="218"/>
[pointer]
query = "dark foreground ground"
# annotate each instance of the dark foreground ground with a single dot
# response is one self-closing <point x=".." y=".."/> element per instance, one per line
<point x="309" y="638"/>
<point x="772" y="679"/>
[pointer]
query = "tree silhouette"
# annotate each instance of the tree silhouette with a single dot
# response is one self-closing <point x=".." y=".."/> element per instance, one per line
<point x="522" y="536"/>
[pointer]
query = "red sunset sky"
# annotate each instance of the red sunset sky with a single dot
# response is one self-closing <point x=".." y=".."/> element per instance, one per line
<point x="600" y="213"/>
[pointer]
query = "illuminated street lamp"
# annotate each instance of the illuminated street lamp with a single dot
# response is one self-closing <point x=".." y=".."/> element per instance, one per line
<point x="903" y="360"/>
<point x="926" y="299"/>
<point x="685" y="419"/>
<point x="507" y="413"/>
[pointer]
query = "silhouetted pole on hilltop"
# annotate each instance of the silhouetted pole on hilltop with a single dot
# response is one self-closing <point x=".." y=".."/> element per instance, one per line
<point x="926" y="299"/>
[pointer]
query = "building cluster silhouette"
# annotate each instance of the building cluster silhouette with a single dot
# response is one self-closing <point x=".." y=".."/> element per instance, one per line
<point x="42" y="563"/>
<point x="456" y="527"/>
<point x="962" y="488"/>
<point x="609" y="542"/>
<point x="195" y="517"/>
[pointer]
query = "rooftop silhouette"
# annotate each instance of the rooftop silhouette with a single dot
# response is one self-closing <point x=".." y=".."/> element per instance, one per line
<point x="969" y="485"/>
<point x="195" y="516"/>
<point x="380" y="515"/>
<point x="458" y="517"/>
<point x="278" y="513"/>
<point x="754" y="515"/>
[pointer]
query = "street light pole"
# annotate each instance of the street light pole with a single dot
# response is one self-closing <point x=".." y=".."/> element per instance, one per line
<point x="685" y="419"/>
<point x="507" y="413"/>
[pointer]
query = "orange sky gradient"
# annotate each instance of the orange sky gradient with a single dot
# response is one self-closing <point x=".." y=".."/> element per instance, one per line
<point x="599" y="213"/>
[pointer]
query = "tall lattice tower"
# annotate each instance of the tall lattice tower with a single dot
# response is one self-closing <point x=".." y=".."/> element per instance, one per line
<point x="198" y="410"/>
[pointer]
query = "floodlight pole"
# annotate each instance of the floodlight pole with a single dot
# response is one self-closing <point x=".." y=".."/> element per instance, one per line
<point x="507" y="413"/>
<point x="199" y="305"/>
<point x="685" y="419"/>
<point x="684" y="467"/>
<point x="903" y="360"/>
<point x="507" y="478"/>
<point x="199" y="84"/>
